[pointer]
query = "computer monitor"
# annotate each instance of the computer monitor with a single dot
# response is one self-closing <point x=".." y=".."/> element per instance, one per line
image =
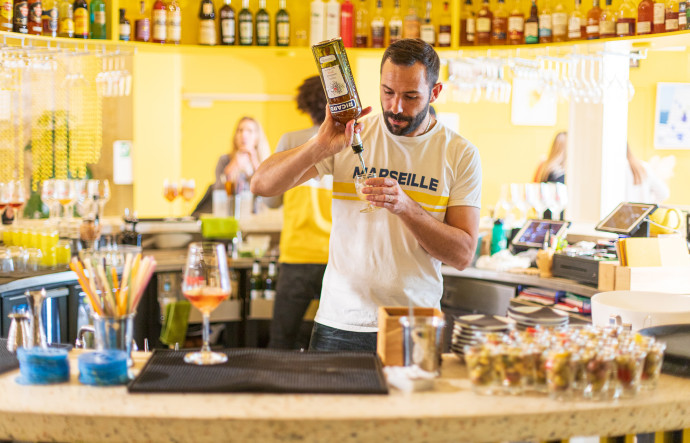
<point x="533" y="233"/>
<point x="626" y="218"/>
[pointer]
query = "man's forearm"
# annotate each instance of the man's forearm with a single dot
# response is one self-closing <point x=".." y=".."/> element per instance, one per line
<point x="284" y="170"/>
<point x="453" y="246"/>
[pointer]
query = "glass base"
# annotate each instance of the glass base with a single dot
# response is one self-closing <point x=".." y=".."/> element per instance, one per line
<point x="370" y="208"/>
<point x="205" y="358"/>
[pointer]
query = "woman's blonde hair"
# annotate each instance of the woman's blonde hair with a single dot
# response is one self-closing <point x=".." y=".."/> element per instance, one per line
<point x="638" y="171"/>
<point x="262" y="148"/>
<point x="555" y="163"/>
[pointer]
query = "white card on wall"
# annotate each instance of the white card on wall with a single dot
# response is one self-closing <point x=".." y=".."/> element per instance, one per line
<point x="532" y="104"/>
<point x="122" y="162"/>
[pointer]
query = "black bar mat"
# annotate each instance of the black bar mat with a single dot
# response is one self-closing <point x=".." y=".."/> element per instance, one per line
<point x="8" y="361"/>
<point x="265" y="370"/>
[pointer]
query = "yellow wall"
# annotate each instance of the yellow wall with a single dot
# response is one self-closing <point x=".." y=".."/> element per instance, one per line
<point x="660" y="66"/>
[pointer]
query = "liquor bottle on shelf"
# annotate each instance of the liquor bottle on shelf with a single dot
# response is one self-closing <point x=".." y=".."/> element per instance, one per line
<point x="66" y="19"/>
<point x="35" y="22"/>
<point x="671" y="16"/>
<point x="332" y="20"/>
<point x="49" y="18"/>
<point x="317" y="22"/>
<point x="645" y="17"/>
<point x="81" y="19"/>
<point x="576" y="24"/>
<point x="532" y="25"/>
<point x="395" y="24"/>
<point x="445" y="27"/>
<point x="559" y="22"/>
<point x="362" y="25"/>
<point x="682" y="15"/>
<point x="593" y="16"/>
<point x="411" y="21"/>
<point x="227" y="23"/>
<point x="159" y="25"/>
<point x="20" y="16"/>
<point x="659" y="21"/>
<point x="607" y="21"/>
<point x="499" y="25"/>
<point x="6" y="10"/>
<point x="347" y="23"/>
<point x="245" y="21"/>
<point x="263" y="25"/>
<point x="467" y="24"/>
<point x="270" y="281"/>
<point x="426" y="30"/>
<point x="687" y="16"/>
<point x="282" y="25"/>
<point x="97" y="19"/>
<point x="378" y="27"/>
<point x="484" y="18"/>
<point x="207" y="23"/>
<point x="625" y="19"/>
<point x="256" y="290"/>
<point x="339" y="87"/>
<point x="545" y="24"/>
<point x="516" y="25"/>
<point x="142" y="25"/>
<point x="125" y="27"/>
<point x="173" y="24"/>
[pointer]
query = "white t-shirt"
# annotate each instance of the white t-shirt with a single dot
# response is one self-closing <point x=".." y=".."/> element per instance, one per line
<point x="374" y="260"/>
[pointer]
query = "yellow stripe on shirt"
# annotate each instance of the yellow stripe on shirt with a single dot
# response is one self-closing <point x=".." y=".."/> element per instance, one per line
<point x="431" y="203"/>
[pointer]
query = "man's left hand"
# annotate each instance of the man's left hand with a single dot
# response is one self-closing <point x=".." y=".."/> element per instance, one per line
<point x="385" y="192"/>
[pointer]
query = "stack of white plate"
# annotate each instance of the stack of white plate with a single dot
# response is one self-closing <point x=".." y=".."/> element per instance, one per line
<point x="468" y="329"/>
<point x="537" y="316"/>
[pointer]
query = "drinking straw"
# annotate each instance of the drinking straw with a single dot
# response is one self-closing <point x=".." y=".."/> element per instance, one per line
<point x="74" y="266"/>
<point x="124" y="290"/>
<point x="108" y="292"/>
<point x="144" y="277"/>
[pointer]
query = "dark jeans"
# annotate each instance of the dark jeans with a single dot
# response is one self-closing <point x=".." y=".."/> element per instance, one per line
<point x="298" y="285"/>
<point x="325" y="338"/>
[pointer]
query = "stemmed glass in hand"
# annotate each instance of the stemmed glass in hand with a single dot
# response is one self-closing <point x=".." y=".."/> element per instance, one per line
<point x="206" y="284"/>
<point x="359" y="185"/>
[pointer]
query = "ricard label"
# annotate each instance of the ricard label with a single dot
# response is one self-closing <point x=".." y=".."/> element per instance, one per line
<point x="327" y="58"/>
<point x="350" y="104"/>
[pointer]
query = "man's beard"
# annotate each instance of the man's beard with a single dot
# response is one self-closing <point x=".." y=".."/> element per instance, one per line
<point x="413" y="122"/>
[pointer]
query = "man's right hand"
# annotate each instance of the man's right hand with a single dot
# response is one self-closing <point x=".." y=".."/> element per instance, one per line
<point x="333" y="137"/>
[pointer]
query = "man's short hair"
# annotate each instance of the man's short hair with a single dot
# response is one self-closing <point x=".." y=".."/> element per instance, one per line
<point x="311" y="99"/>
<point x="408" y="51"/>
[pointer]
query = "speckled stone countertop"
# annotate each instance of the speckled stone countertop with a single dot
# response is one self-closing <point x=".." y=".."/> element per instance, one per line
<point x="451" y="412"/>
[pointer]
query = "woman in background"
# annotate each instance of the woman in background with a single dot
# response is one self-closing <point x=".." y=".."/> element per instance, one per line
<point x="553" y="168"/>
<point x="249" y="149"/>
<point x="642" y="185"/>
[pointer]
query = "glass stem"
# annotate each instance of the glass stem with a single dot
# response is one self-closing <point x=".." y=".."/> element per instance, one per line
<point x="205" y="332"/>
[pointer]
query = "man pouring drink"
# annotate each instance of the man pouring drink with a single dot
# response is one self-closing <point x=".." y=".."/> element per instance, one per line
<point x="425" y="176"/>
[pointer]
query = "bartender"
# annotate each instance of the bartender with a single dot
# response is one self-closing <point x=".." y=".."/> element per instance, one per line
<point x="429" y="182"/>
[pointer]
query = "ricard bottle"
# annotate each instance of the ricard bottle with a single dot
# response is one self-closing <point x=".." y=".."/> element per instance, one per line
<point x="339" y="85"/>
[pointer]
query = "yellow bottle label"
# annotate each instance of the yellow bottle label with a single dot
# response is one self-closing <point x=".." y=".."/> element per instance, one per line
<point x="99" y="17"/>
<point x="207" y="32"/>
<point x="6" y="12"/>
<point x="174" y="24"/>
<point x="66" y="27"/>
<point x="81" y="21"/>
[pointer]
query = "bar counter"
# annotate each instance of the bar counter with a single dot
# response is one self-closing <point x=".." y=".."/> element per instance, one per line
<point x="451" y="412"/>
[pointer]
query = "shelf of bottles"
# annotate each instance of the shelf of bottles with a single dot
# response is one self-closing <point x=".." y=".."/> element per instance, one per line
<point x="361" y="23"/>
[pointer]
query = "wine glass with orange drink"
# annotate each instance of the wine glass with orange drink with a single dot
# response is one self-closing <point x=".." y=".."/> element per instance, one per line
<point x="170" y="192"/>
<point x="206" y="284"/>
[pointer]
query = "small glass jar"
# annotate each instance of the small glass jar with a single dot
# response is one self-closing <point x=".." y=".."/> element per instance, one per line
<point x="598" y="375"/>
<point x="629" y="364"/>
<point x="480" y="361"/>
<point x="652" y="365"/>
<point x="63" y="252"/>
<point x="559" y="373"/>
<point x="510" y="367"/>
<point x="19" y="257"/>
<point x="6" y="262"/>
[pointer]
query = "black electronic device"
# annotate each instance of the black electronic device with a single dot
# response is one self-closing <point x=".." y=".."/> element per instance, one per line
<point x="534" y="232"/>
<point x="628" y="219"/>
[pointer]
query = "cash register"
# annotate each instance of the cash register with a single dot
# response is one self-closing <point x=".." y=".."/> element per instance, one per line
<point x="626" y="220"/>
